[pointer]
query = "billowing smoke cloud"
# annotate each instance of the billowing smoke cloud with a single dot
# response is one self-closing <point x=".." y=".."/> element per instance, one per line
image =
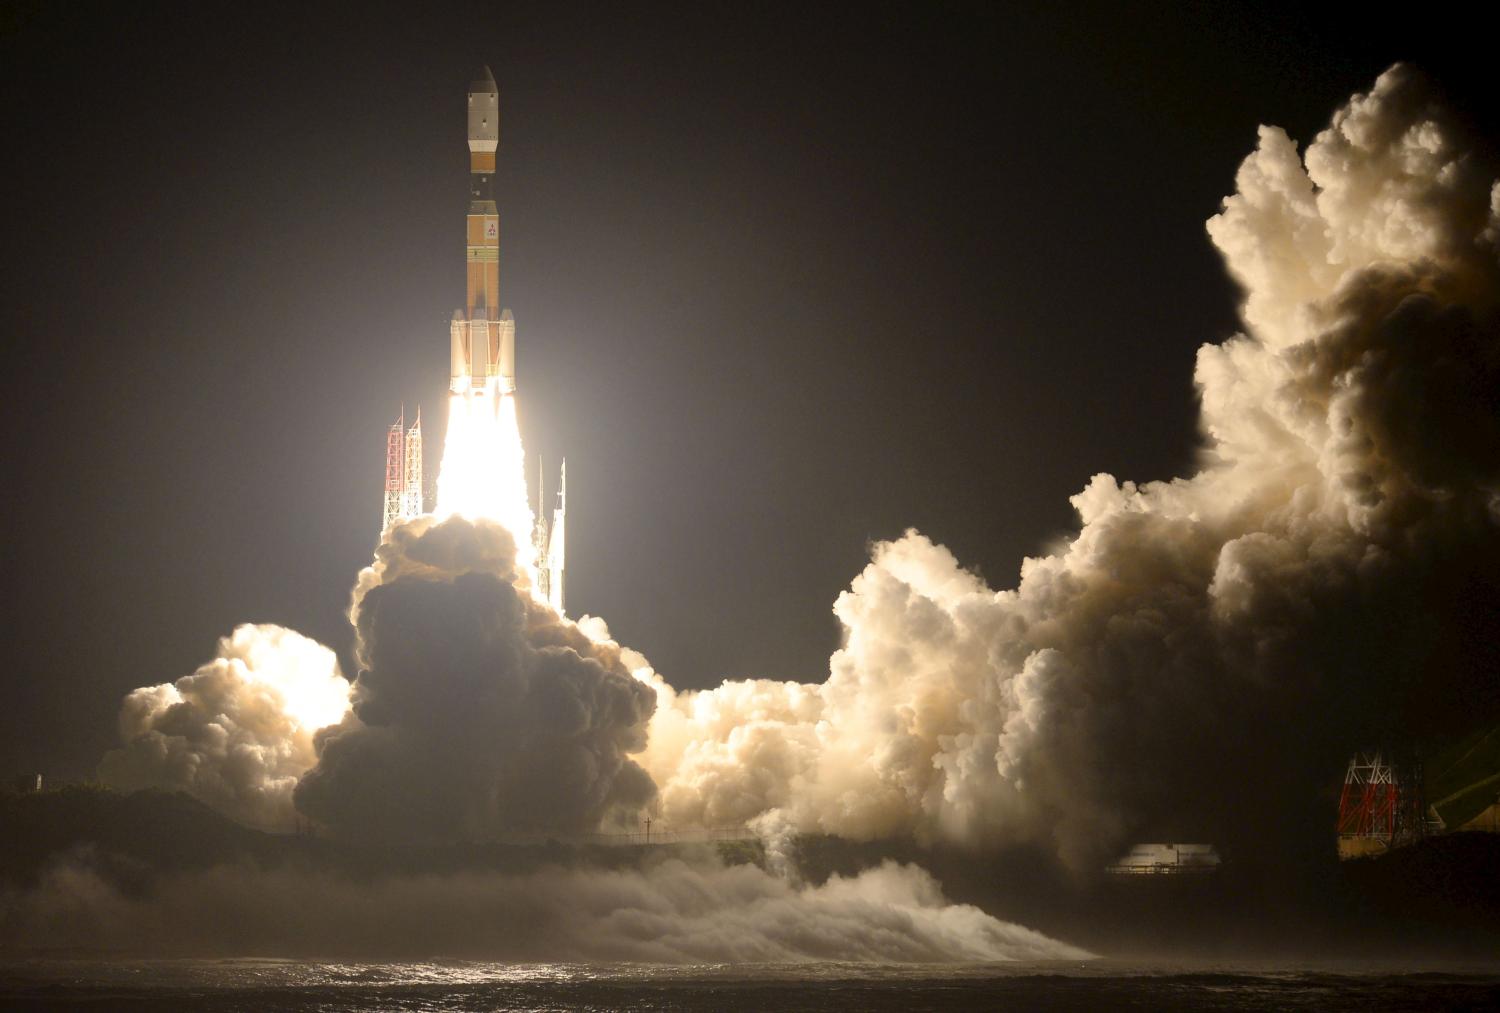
<point x="477" y="711"/>
<point x="1194" y="663"/>
<point x="676" y="911"/>
<point x="238" y="732"/>
<point x="1204" y="653"/>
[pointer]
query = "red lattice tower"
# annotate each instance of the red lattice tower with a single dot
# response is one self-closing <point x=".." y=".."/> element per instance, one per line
<point x="395" y="470"/>
<point x="1371" y="799"/>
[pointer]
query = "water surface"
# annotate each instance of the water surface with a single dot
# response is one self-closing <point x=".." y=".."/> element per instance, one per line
<point x="225" y="985"/>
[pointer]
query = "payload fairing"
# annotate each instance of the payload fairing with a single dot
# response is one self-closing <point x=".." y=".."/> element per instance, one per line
<point x="482" y="359"/>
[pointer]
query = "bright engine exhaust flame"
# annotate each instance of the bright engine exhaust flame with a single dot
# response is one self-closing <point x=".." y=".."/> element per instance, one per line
<point x="483" y="473"/>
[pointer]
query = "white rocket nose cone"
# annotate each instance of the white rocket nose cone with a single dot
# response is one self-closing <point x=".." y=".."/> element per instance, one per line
<point x="484" y="113"/>
<point x="483" y="83"/>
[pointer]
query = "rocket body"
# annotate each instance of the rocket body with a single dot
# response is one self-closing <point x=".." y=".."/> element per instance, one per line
<point x="482" y="356"/>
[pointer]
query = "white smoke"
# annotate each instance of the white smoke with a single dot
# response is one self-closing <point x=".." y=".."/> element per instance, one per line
<point x="238" y="732"/>
<point x="676" y="911"/>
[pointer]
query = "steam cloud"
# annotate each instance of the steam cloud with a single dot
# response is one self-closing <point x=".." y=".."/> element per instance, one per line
<point x="672" y="912"/>
<point x="1202" y="653"/>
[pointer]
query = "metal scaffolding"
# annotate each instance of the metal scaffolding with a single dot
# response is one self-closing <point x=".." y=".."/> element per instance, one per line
<point x="550" y="540"/>
<point x="1381" y="805"/>
<point x="403" y="471"/>
<point x="411" y="484"/>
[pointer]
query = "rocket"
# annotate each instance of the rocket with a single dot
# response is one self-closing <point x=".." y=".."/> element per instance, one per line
<point x="482" y="360"/>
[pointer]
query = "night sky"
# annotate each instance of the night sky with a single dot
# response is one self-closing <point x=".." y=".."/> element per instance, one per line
<point x="784" y="282"/>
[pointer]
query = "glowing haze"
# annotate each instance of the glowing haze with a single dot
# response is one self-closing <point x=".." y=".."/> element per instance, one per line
<point x="1316" y="576"/>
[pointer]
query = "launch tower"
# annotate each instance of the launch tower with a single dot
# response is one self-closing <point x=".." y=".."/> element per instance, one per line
<point x="403" y="470"/>
<point x="1380" y="807"/>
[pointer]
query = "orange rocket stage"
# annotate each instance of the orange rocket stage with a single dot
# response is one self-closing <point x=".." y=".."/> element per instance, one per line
<point x="483" y="358"/>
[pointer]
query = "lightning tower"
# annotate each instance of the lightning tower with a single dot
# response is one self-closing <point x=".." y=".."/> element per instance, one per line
<point x="550" y="540"/>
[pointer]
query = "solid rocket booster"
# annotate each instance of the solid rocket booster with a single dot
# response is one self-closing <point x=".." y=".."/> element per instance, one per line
<point x="482" y="359"/>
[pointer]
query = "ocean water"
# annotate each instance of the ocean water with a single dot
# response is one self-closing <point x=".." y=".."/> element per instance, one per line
<point x="259" y="985"/>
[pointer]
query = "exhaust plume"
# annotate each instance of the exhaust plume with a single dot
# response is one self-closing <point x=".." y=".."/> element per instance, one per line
<point x="484" y="470"/>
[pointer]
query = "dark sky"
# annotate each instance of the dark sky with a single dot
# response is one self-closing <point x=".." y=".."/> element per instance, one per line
<point x="784" y="281"/>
